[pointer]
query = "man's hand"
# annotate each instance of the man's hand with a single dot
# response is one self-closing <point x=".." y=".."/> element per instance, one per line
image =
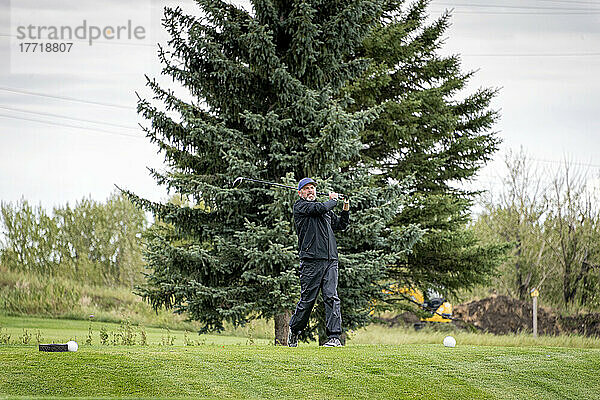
<point x="333" y="196"/>
<point x="346" y="204"/>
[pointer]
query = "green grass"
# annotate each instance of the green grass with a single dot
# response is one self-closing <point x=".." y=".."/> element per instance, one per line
<point x="62" y="330"/>
<point x="379" y="334"/>
<point x="221" y="366"/>
<point x="241" y="371"/>
<point x="30" y="294"/>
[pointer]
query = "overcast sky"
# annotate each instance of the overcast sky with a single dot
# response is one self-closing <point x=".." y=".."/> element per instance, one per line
<point x="71" y="133"/>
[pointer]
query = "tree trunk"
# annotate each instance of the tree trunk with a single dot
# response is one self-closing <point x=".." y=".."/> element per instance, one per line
<point x="282" y="328"/>
<point x="522" y="291"/>
<point x="343" y="338"/>
<point x="322" y="338"/>
<point x="568" y="286"/>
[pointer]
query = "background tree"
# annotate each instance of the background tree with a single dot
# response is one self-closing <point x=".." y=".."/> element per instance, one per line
<point x="553" y="225"/>
<point x="517" y="215"/>
<point x="266" y="102"/>
<point x="573" y="235"/>
<point x="93" y="242"/>
<point x="434" y="133"/>
<point x="30" y="239"/>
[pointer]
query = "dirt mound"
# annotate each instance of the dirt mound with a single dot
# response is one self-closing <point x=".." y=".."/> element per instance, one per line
<point x="404" y="319"/>
<point x="502" y="315"/>
<point x="583" y="324"/>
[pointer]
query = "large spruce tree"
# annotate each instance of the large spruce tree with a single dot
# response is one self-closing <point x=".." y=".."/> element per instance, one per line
<point x="432" y="130"/>
<point x="267" y="102"/>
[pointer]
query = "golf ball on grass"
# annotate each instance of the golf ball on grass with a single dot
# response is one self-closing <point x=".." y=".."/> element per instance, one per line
<point x="449" y="341"/>
<point x="72" y="345"/>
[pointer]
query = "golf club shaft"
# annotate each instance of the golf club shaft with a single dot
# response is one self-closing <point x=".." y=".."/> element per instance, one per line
<point x="282" y="186"/>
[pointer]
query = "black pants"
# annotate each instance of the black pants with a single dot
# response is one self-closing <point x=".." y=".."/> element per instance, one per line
<point x="315" y="275"/>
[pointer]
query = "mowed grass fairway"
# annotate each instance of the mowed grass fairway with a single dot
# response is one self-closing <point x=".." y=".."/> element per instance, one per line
<point x="239" y="370"/>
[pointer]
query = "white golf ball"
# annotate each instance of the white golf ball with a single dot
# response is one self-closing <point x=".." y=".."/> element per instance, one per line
<point x="449" y="341"/>
<point x="72" y="345"/>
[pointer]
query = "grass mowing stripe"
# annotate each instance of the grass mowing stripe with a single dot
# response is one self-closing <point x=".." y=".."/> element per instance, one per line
<point x="224" y="367"/>
<point x="233" y="371"/>
<point x="530" y="372"/>
<point x="62" y="330"/>
<point x="61" y="374"/>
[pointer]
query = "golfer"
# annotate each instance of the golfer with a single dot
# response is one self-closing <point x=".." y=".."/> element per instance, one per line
<point x="315" y="223"/>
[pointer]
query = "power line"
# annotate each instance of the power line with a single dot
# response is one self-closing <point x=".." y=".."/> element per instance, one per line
<point x="512" y="7"/>
<point x="591" y="3"/>
<point x="65" y="117"/>
<point x="541" y="13"/>
<point x="72" y="99"/>
<point x="566" y="162"/>
<point x="532" y="55"/>
<point x="71" y="126"/>
<point x="580" y="164"/>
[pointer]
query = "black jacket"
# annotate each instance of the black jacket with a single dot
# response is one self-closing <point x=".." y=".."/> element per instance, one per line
<point x="315" y="223"/>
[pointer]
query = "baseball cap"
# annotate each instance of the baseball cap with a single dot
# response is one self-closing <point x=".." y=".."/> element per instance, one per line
<point x="305" y="181"/>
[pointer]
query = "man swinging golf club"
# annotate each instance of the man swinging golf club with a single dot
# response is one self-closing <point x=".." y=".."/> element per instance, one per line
<point x="315" y="223"/>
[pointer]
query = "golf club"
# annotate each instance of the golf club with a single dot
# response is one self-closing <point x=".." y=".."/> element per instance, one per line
<point x="239" y="180"/>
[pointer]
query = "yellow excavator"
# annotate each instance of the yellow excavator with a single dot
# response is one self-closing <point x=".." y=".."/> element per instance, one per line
<point x="438" y="309"/>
